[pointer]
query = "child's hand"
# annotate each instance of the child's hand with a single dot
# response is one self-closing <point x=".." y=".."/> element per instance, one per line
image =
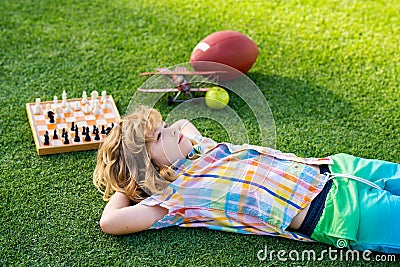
<point x="120" y="218"/>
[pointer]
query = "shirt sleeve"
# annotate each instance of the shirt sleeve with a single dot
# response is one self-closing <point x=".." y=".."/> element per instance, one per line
<point x="169" y="200"/>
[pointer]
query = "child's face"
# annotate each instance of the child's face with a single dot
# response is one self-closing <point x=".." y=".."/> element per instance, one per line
<point x="170" y="145"/>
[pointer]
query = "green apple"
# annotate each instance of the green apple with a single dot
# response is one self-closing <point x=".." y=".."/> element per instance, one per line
<point x="217" y="98"/>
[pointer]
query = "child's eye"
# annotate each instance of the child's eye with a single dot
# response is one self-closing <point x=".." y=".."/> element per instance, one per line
<point x="166" y="125"/>
<point x="158" y="136"/>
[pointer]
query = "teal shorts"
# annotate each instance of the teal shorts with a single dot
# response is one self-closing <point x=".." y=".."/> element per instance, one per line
<point x="358" y="216"/>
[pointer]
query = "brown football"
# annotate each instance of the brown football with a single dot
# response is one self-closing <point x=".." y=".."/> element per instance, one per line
<point x="230" y="48"/>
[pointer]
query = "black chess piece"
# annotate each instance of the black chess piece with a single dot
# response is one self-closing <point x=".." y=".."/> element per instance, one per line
<point x="66" y="140"/>
<point x="83" y="130"/>
<point x="50" y="114"/>
<point x="87" y="137"/>
<point x="46" y="139"/>
<point x="73" y="126"/>
<point x="103" y="129"/>
<point x="55" y="136"/>
<point x="77" y="139"/>
<point x="97" y="137"/>
<point x="63" y="133"/>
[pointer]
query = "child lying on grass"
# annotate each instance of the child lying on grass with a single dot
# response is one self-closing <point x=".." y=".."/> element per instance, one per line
<point x="176" y="177"/>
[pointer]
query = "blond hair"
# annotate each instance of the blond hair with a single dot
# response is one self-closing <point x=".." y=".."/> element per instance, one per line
<point x="123" y="162"/>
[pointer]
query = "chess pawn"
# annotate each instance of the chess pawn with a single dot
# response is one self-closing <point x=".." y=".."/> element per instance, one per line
<point x="97" y="137"/>
<point x="46" y="139"/>
<point x="48" y="108"/>
<point x="64" y="95"/>
<point x="58" y="112"/>
<point x="37" y="107"/>
<point x="55" y="136"/>
<point x="103" y="96"/>
<point x="96" y="109"/>
<point x="66" y="140"/>
<point x="77" y="138"/>
<point x="87" y="108"/>
<point x="95" y="103"/>
<point x="55" y="102"/>
<point x="64" y="99"/>
<point x="87" y="136"/>
<point x="84" y="98"/>
<point x="68" y="108"/>
<point x="77" y="106"/>
<point x="94" y="95"/>
<point x="105" y="105"/>
<point x="64" y="103"/>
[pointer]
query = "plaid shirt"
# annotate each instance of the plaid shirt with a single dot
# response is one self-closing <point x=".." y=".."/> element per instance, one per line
<point x="243" y="189"/>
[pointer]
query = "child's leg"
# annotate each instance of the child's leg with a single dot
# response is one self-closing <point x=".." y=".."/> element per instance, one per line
<point x="379" y="221"/>
<point x="379" y="209"/>
<point x="385" y="174"/>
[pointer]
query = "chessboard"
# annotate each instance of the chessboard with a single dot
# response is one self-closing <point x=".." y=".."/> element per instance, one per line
<point x="71" y="125"/>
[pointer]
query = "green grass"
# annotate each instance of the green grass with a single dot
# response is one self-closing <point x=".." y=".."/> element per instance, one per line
<point x="328" y="69"/>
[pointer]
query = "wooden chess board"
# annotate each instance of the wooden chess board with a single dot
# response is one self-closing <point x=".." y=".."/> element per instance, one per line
<point x="106" y="116"/>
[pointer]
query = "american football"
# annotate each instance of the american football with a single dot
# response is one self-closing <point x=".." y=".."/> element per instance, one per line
<point x="230" y="48"/>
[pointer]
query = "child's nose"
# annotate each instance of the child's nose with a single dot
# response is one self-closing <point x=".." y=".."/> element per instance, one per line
<point x="172" y="131"/>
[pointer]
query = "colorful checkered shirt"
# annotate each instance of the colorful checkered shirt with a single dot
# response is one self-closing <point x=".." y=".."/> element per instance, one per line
<point x="244" y="189"/>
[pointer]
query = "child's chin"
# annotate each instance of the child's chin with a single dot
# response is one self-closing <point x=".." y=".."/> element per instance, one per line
<point x="184" y="145"/>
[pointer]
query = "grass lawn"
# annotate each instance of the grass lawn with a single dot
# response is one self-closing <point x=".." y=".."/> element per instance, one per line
<point x="329" y="70"/>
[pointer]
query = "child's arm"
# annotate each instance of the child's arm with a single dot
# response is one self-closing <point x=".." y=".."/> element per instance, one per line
<point x="186" y="127"/>
<point x="120" y="218"/>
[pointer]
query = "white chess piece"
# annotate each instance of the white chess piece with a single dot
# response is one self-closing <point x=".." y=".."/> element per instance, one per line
<point x="96" y="109"/>
<point x="68" y="108"/>
<point x="105" y="105"/>
<point x="94" y="104"/>
<point x="64" y="99"/>
<point x="36" y="110"/>
<point x="64" y="103"/>
<point x="58" y="112"/>
<point x="55" y="102"/>
<point x="87" y="108"/>
<point x="37" y="107"/>
<point x="84" y="98"/>
<point x="77" y="106"/>
<point x="48" y="108"/>
<point x="94" y="94"/>
<point x="103" y="96"/>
